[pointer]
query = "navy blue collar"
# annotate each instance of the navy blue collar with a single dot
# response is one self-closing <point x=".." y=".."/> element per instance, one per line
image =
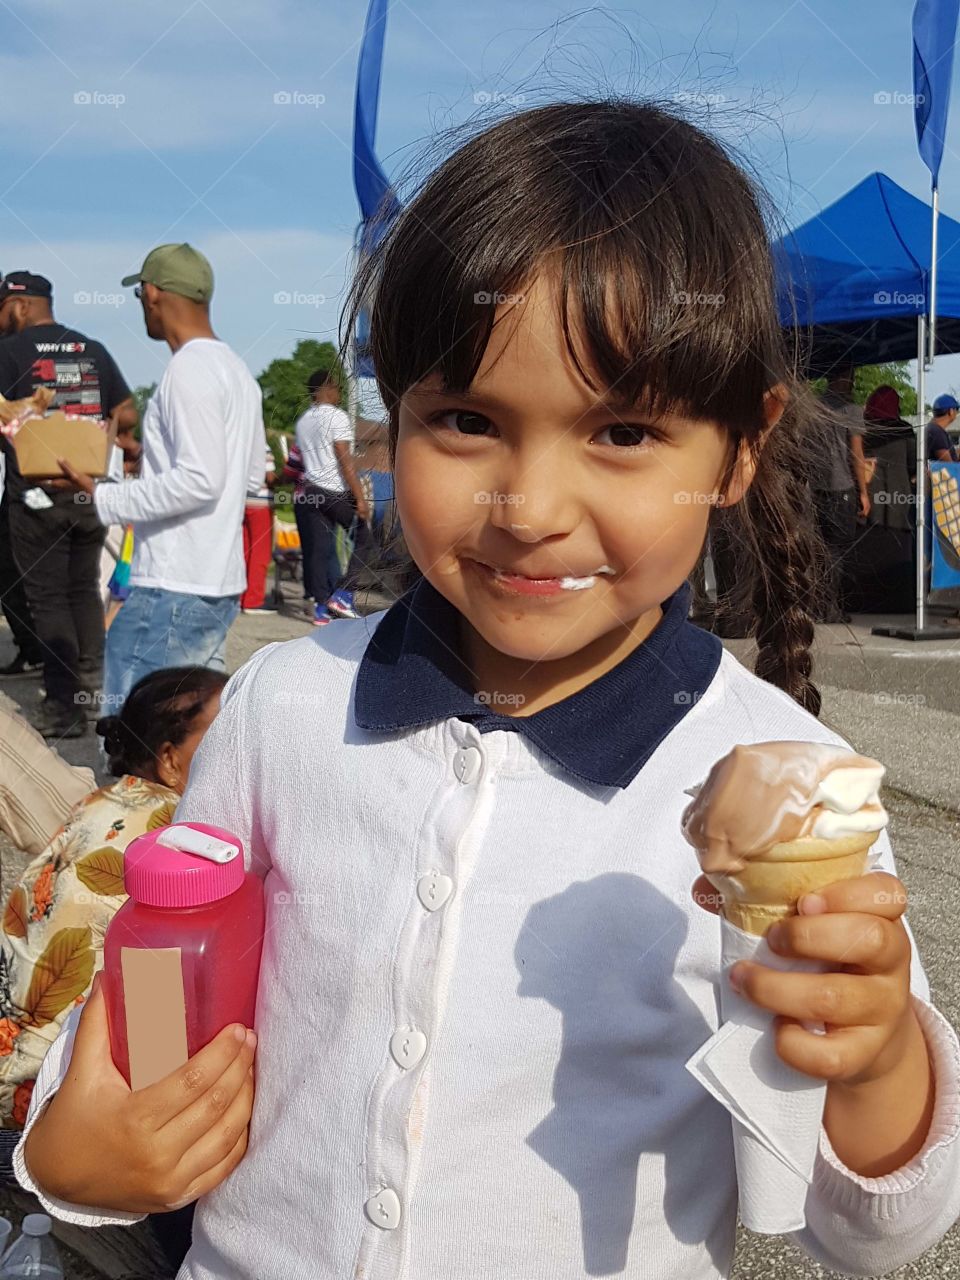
<point x="411" y="675"/>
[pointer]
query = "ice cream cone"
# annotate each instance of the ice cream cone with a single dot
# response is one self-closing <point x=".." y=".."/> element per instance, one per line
<point x="767" y="889"/>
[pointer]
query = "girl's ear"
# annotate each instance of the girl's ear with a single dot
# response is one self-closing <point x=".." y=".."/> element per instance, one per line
<point x="744" y="468"/>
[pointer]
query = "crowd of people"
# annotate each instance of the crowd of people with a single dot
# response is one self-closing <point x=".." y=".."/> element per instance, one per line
<point x="862" y="486"/>
<point x="193" y="490"/>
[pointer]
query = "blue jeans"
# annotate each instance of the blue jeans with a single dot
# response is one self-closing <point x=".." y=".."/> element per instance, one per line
<point x="157" y="629"/>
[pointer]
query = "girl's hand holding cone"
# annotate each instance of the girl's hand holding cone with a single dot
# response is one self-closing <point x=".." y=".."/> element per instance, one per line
<point x="855" y="928"/>
<point x="881" y="1089"/>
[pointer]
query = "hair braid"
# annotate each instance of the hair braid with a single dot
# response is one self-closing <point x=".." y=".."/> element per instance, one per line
<point x="785" y="589"/>
<point x="782" y="582"/>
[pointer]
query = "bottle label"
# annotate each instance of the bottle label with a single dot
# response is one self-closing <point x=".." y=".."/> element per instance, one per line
<point x="155" y="1011"/>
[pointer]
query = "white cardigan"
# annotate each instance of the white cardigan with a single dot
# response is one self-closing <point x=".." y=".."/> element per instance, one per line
<point x="480" y="983"/>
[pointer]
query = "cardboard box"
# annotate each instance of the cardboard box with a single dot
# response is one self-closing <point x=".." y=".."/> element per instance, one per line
<point x="85" y="443"/>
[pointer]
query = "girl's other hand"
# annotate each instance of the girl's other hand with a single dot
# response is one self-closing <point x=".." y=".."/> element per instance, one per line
<point x="102" y="1145"/>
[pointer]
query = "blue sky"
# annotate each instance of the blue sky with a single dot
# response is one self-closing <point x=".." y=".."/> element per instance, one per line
<point x="135" y="124"/>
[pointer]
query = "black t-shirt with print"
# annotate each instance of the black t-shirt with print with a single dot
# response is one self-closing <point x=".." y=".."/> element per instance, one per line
<point x="79" y="369"/>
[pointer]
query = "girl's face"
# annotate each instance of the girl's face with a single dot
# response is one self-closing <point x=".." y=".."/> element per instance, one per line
<point x="546" y="516"/>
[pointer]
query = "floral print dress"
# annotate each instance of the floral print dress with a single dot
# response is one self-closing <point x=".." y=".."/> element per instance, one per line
<point x="54" y="921"/>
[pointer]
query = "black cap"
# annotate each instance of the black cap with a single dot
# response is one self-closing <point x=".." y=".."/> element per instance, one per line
<point x="24" y="284"/>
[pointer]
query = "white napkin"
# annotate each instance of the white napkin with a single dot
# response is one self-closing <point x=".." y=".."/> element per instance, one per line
<point x="777" y="1111"/>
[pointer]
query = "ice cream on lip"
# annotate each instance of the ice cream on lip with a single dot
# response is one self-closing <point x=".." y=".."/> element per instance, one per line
<point x="769" y="793"/>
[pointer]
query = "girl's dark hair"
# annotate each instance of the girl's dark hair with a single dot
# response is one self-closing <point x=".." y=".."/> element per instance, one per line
<point x="663" y="256"/>
<point x="162" y="707"/>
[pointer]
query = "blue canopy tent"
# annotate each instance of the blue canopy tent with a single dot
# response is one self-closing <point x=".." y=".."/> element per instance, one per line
<point x="852" y="282"/>
<point x="853" y="288"/>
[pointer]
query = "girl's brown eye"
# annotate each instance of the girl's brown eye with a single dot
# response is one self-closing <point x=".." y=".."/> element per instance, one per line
<point x="463" y="422"/>
<point x="626" y="435"/>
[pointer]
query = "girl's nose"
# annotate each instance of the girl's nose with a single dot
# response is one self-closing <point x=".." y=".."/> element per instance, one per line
<point x="534" y="506"/>
<point x="524" y="532"/>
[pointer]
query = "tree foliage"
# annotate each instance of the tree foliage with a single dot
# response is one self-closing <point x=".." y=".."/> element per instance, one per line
<point x="284" y="382"/>
<point x="867" y="377"/>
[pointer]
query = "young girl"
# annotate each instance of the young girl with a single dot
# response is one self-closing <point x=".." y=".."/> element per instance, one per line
<point x="484" y="967"/>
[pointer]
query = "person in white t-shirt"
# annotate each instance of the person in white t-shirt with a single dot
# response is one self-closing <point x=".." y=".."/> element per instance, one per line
<point x="329" y="496"/>
<point x="203" y="448"/>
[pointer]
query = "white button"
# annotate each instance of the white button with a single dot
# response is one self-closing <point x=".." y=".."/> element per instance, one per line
<point x="383" y="1209"/>
<point x="467" y="764"/>
<point x="408" y="1047"/>
<point x="433" y="891"/>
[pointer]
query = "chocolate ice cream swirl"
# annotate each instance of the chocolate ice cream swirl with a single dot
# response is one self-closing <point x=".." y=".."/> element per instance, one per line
<point x="771" y="792"/>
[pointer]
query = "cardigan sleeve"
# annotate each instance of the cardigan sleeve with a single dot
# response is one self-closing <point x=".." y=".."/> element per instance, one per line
<point x="870" y="1226"/>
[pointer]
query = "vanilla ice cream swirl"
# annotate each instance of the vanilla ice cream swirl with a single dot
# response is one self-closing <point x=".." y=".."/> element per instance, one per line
<point x="767" y="793"/>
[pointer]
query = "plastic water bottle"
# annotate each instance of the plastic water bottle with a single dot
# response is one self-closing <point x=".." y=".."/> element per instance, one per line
<point x="34" y="1254"/>
<point x="181" y="957"/>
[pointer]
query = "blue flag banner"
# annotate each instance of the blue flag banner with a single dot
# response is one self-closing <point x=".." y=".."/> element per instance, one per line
<point x="376" y="197"/>
<point x="378" y="203"/>
<point x="934" y="35"/>
<point x="945" y="496"/>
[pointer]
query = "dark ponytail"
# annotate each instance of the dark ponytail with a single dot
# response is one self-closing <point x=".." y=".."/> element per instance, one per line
<point x="161" y="708"/>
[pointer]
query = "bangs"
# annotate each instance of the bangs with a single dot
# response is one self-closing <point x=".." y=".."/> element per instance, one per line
<point x="653" y="237"/>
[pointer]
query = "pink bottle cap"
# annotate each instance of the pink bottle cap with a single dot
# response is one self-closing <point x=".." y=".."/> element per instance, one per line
<point x="162" y="876"/>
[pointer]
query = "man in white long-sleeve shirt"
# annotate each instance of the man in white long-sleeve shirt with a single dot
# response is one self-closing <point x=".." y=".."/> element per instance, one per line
<point x="203" y="446"/>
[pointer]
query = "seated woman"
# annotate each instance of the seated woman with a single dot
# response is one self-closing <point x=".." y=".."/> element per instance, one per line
<point x="54" y="920"/>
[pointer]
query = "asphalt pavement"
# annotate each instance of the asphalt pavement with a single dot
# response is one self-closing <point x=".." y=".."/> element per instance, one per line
<point x="894" y="699"/>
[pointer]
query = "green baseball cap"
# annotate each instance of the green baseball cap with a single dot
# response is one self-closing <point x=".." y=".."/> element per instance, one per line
<point x="177" y="268"/>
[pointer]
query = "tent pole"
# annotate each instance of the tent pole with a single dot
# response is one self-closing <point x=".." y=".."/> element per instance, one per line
<point x="931" y="302"/>
<point x="352" y="391"/>
<point x="921" y="494"/>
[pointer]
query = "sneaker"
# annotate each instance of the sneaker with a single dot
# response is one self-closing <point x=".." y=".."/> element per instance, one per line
<point x="340" y="605"/>
<point x="321" y="616"/>
<point x="260" y="608"/>
<point x="21" y="666"/>
<point x="54" y="720"/>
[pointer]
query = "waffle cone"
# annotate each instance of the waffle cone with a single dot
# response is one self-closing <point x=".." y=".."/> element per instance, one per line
<point x="768" y="888"/>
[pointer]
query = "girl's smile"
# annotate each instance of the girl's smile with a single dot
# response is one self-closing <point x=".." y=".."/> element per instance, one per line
<point x="512" y="582"/>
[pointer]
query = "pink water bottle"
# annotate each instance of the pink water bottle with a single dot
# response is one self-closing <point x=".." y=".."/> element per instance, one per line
<point x="182" y="955"/>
